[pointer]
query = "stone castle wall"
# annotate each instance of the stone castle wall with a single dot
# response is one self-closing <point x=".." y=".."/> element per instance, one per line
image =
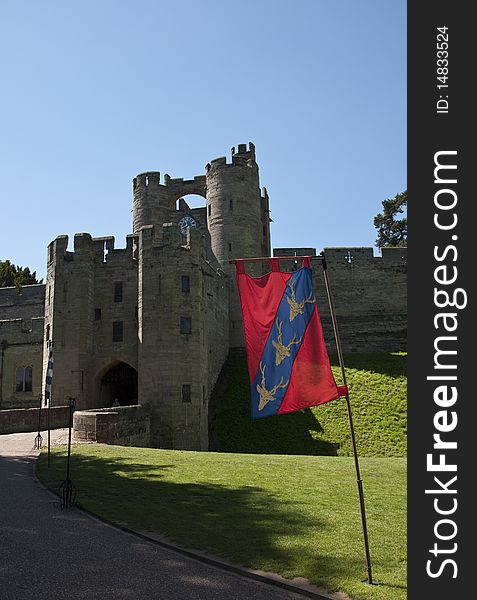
<point x="80" y="310"/>
<point x="28" y="419"/>
<point x="178" y="368"/>
<point x="369" y="294"/>
<point x="28" y="302"/>
<point x="178" y="308"/>
<point x="21" y="347"/>
<point x="122" y="425"/>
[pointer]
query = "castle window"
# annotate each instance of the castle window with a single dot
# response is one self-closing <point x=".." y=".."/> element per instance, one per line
<point x="24" y="379"/>
<point x="185" y="284"/>
<point x="230" y="247"/>
<point x="118" y="291"/>
<point x="97" y="314"/>
<point x="28" y="379"/>
<point x="20" y="379"/>
<point x="231" y="204"/>
<point x="209" y="209"/>
<point x="186" y="325"/>
<point x="47" y="332"/>
<point x="186" y="396"/>
<point x="117" y="331"/>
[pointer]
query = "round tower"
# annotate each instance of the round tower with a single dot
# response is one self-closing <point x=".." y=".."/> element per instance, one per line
<point x="151" y="202"/>
<point x="234" y="215"/>
<point x="234" y="218"/>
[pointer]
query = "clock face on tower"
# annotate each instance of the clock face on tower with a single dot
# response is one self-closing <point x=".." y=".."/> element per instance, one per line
<point x="186" y="222"/>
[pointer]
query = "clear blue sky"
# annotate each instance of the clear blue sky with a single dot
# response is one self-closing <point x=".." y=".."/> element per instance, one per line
<point x="95" y="92"/>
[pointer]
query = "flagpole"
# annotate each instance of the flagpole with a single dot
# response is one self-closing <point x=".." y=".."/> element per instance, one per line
<point x="322" y="258"/>
<point x="350" y="417"/>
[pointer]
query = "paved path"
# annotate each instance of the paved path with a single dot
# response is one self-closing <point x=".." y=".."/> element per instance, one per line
<point x="49" y="554"/>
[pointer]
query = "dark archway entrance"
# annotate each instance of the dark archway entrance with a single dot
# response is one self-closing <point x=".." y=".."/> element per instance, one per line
<point x="119" y="386"/>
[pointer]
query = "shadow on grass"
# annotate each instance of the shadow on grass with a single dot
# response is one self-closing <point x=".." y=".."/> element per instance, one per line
<point x="231" y="427"/>
<point x="246" y="525"/>
<point x="392" y="364"/>
<point x="233" y="430"/>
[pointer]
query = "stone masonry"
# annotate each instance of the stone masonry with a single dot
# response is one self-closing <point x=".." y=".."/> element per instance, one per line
<point x="152" y="323"/>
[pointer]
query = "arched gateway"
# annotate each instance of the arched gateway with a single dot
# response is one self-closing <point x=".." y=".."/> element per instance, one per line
<point x="118" y="386"/>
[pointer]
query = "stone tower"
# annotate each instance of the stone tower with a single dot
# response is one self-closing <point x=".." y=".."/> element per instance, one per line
<point x="152" y="323"/>
<point x="237" y="218"/>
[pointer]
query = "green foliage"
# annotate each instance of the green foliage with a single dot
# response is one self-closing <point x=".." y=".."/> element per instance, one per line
<point x="392" y="231"/>
<point x="377" y="384"/>
<point x="293" y="515"/>
<point x="15" y="276"/>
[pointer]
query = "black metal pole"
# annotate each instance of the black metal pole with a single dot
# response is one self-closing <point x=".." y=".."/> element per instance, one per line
<point x="70" y="425"/>
<point x="39" y="439"/>
<point x="48" y="427"/>
<point x="350" y="419"/>
<point x="67" y="490"/>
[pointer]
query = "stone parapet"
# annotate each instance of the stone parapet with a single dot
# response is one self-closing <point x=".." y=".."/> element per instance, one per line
<point x="26" y="419"/>
<point x="120" y="426"/>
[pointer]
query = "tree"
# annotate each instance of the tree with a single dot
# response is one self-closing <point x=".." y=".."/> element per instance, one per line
<point x="392" y="231"/>
<point x="14" y="275"/>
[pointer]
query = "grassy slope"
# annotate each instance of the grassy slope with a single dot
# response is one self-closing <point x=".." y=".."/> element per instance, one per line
<point x="377" y="384"/>
<point x="295" y="515"/>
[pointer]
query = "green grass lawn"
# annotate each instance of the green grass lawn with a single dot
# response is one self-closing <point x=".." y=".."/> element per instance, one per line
<point x="377" y="384"/>
<point x="293" y="515"/>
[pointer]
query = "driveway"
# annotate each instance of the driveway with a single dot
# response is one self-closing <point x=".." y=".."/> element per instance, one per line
<point x="48" y="554"/>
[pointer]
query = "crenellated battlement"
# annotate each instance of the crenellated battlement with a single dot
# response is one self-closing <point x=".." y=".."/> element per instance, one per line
<point x="241" y="156"/>
<point x="242" y="150"/>
<point x="98" y="249"/>
<point x="351" y="256"/>
<point x="147" y="179"/>
<point x="362" y="255"/>
<point x="152" y="179"/>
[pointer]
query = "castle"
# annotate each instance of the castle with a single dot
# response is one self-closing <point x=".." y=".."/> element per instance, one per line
<point x="153" y="323"/>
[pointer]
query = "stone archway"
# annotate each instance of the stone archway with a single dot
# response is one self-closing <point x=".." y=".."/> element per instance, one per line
<point x="118" y="386"/>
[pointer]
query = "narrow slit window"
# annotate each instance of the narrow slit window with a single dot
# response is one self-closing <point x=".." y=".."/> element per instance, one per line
<point x="117" y="331"/>
<point x="118" y="291"/>
<point x="186" y="325"/>
<point x="186" y="395"/>
<point x="97" y="314"/>
<point x="185" y="284"/>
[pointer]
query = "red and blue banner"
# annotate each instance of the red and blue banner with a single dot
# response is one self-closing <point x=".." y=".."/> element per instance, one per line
<point x="288" y="363"/>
